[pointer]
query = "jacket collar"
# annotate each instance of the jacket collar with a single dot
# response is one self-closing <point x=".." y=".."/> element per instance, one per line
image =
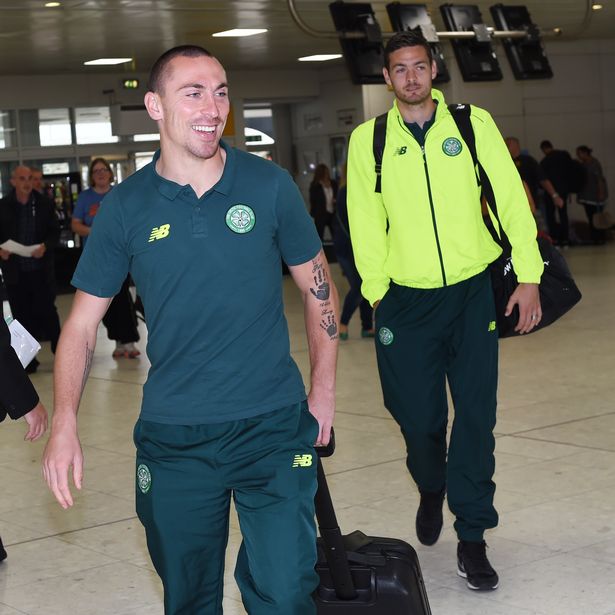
<point x="441" y="108"/>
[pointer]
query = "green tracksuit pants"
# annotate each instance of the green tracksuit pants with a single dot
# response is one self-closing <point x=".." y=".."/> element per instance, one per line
<point x="186" y="476"/>
<point x="425" y="337"/>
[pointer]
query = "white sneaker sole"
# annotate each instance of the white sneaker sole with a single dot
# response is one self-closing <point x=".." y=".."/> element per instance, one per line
<point x="463" y="575"/>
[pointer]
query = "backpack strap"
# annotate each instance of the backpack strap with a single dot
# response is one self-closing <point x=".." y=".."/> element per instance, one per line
<point x="462" y="115"/>
<point x="380" y="138"/>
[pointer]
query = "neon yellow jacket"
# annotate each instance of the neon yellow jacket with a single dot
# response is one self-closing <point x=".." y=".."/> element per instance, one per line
<point x="430" y="202"/>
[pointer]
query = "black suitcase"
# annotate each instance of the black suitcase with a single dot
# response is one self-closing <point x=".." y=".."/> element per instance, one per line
<point x="363" y="574"/>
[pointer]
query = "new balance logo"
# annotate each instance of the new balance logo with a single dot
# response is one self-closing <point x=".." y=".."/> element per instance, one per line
<point x="400" y="151"/>
<point x="159" y="232"/>
<point x="492" y="326"/>
<point x="302" y="461"/>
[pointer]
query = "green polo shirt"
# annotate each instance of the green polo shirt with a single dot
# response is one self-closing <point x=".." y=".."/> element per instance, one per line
<point x="209" y="272"/>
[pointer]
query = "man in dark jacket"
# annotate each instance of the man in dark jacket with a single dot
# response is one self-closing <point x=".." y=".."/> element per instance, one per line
<point x="557" y="166"/>
<point x="29" y="218"/>
<point x="17" y="395"/>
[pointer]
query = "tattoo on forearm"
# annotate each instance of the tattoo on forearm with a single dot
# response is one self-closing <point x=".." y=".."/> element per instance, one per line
<point x="89" y="355"/>
<point x="329" y="325"/>
<point x="322" y="288"/>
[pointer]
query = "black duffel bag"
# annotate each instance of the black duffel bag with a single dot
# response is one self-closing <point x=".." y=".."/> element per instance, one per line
<point x="558" y="291"/>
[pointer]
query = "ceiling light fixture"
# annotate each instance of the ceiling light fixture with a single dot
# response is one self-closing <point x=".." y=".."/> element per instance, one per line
<point x="596" y="7"/>
<point x="107" y="61"/>
<point x="52" y="5"/>
<point x="321" y="57"/>
<point x="240" y="32"/>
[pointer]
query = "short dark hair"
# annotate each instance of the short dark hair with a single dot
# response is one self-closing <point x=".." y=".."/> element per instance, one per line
<point x="585" y="149"/>
<point x="546" y="144"/>
<point x="409" y="38"/>
<point x="154" y="82"/>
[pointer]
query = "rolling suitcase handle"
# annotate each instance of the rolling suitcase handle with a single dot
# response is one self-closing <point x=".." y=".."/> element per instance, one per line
<point x="330" y="532"/>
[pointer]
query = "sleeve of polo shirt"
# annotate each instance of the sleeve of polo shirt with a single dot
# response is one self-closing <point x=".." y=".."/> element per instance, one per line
<point x="296" y="234"/>
<point x="513" y="207"/>
<point x="103" y="266"/>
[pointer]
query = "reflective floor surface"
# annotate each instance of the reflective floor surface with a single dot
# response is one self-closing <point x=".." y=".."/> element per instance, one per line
<point x="554" y="547"/>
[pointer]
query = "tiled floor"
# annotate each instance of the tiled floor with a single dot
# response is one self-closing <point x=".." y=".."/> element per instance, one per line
<point x="554" y="548"/>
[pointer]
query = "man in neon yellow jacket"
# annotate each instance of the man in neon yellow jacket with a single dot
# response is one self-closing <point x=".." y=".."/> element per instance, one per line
<point x="422" y="250"/>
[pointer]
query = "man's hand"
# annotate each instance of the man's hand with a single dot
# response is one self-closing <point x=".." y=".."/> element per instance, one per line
<point x="62" y="452"/>
<point x="527" y="297"/>
<point x="322" y="407"/>
<point x="37" y="422"/>
<point x="4" y="254"/>
<point x="40" y="251"/>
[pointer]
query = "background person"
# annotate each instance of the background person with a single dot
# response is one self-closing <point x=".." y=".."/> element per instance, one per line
<point x="423" y="250"/>
<point x="17" y="395"/>
<point x="323" y="191"/>
<point x="345" y="257"/>
<point x="121" y="318"/>
<point x="557" y="167"/>
<point x="535" y="179"/>
<point x="29" y="218"/>
<point x="595" y="192"/>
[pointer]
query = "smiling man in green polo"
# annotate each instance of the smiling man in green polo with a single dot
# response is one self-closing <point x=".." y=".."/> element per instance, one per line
<point x="203" y="230"/>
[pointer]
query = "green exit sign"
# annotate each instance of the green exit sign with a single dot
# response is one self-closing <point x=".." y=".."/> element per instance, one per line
<point x="130" y="84"/>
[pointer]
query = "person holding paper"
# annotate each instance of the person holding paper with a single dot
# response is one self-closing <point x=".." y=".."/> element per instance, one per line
<point x="17" y="395"/>
<point x="29" y="218"/>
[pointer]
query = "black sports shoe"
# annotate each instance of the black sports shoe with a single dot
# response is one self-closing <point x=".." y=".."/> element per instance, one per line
<point x="429" y="517"/>
<point x="473" y="565"/>
<point x="2" y="551"/>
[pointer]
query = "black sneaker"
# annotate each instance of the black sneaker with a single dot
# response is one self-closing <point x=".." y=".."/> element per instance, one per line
<point x="429" y="517"/>
<point x="2" y="551"/>
<point x="473" y="565"/>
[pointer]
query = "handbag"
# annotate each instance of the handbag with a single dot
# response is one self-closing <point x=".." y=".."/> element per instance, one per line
<point x="558" y="291"/>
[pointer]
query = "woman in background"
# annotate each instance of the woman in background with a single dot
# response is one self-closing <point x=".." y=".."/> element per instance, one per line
<point x="594" y="194"/>
<point x="345" y="257"/>
<point x="120" y="319"/>
<point x="322" y="199"/>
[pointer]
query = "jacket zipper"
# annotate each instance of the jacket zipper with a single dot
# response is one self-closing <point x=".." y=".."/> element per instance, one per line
<point x="433" y="216"/>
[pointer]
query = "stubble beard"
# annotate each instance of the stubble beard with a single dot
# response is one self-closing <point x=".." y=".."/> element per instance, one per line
<point x="203" y="151"/>
<point x="413" y="102"/>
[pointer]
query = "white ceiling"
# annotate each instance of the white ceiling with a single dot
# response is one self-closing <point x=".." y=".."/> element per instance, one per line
<point x="38" y="40"/>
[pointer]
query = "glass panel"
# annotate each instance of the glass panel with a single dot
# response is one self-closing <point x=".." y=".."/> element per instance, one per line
<point x="143" y="158"/>
<point x="151" y="137"/>
<point x="261" y="120"/>
<point x="53" y="127"/>
<point x="52" y="168"/>
<point x="6" y="169"/>
<point x="93" y="125"/>
<point x="7" y="129"/>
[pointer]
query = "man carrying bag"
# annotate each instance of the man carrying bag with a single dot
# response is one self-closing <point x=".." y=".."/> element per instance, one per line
<point x="423" y="251"/>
